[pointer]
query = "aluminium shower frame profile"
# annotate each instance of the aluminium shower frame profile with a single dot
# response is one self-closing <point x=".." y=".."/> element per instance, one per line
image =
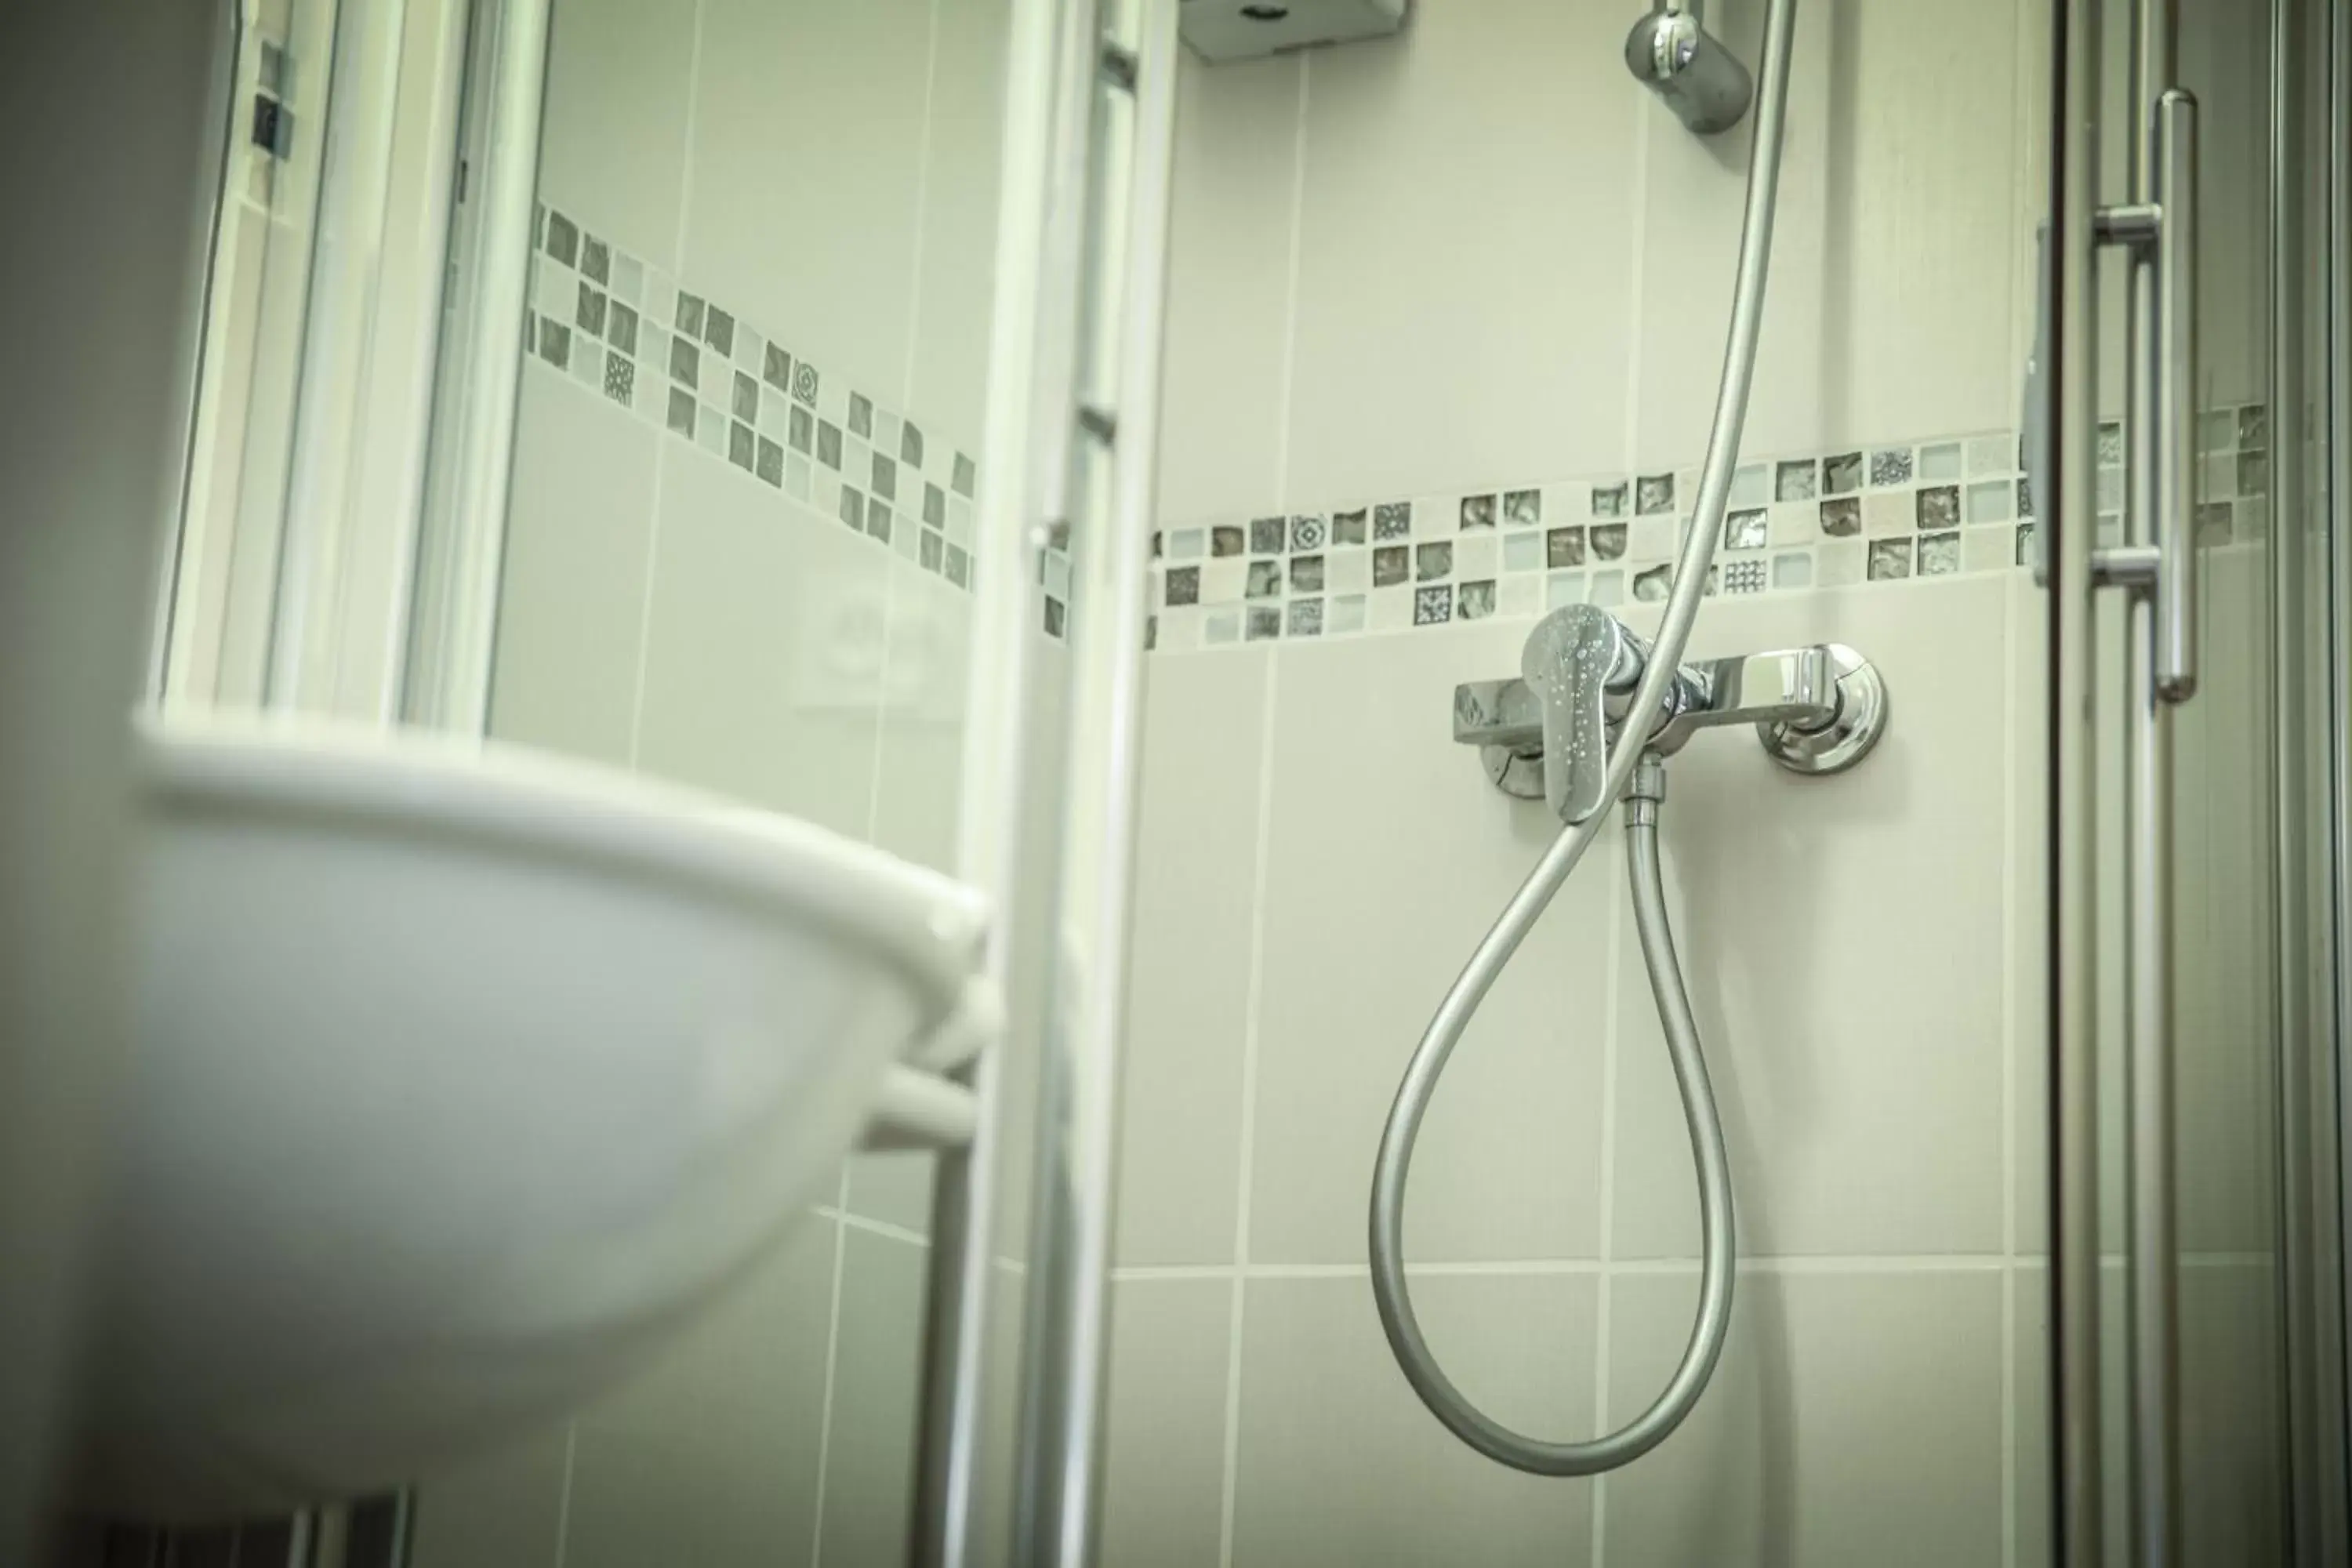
<point x="1072" y="439"/>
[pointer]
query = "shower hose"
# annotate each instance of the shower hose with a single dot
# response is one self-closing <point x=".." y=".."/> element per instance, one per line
<point x="1631" y="753"/>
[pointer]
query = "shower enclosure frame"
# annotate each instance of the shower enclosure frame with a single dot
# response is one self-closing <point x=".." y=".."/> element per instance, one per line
<point x="2154" y="564"/>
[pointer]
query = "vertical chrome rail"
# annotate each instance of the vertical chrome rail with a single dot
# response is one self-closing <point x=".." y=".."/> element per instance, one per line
<point x="1024" y="446"/>
<point x="2163" y="673"/>
<point x="1066" y="1352"/>
<point x="2157" y="566"/>
<point x="2302" y="1078"/>
<point x="462" y="540"/>
<point x="2069" y="416"/>
<point x="1065" y="461"/>
<point x="338" y="341"/>
<point x="2337" y="403"/>
<point x="2173" y="160"/>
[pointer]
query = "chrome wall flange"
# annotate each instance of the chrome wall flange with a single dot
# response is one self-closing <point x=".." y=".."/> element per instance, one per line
<point x="1515" y="773"/>
<point x="1850" y="733"/>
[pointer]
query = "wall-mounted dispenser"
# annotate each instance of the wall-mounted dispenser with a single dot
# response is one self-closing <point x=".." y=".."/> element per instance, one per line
<point x="1245" y="30"/>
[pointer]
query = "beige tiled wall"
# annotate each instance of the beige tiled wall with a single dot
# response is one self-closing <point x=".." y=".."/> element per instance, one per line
<point x="828" y="172"/>
<point x="1475" y="252"/>
<point x="1848" y="948"/>
<point x="1429" y="264"/>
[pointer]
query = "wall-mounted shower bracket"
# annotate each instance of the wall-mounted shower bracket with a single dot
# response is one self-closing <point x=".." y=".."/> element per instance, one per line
<point x="1671" y="52"/>
<point x="1546" y="735"/>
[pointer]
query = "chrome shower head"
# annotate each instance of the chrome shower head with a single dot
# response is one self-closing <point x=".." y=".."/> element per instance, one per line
<point x="1702" y="81"/>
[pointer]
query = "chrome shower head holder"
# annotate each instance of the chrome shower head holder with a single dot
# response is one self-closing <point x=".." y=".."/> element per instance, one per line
<point x="1671" y="52"/>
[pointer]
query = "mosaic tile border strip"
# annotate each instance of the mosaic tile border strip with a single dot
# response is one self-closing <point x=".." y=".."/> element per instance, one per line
<point x="625" y="329"/>
<point x="1941" y="507"/>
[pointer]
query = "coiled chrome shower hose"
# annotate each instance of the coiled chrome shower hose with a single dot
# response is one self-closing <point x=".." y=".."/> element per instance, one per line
<point x="1393" y="1166"/>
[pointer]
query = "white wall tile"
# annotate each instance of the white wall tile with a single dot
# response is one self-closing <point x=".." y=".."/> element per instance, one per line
<point x="1231" y="217"/>
<point x="2225" y="1042"/>
<point x="1340" y="1463"/>
<point x="1466" y="262"/>
<point x="763" y="648"/>
<point x="895" y="1187"/>
<point x="806" y="159"/>
<point x="1693" y="199"/>
<point x="1853" y="1419"/>
<point x="572" y="591"/>
<point x="1844" y="959"/>
<point x="918" y="779"/>
<point x="1389" y="855"/>
<point x="869" y="1466"/>
<point x="2226" y="63"/>
<point x="496" y="1509"/>
<point x="2231" y="1418"/>
<point x="2029" y="728"/>
<point x="1190" y="956"/>
<point x="2036" y="1343"/>
<point x="619" y="81"/>
<point x="956" y="277"/>
<point x="1164" y="1470"/>
<point x="710" y="1455"/>
<point x="1921" y="216"/>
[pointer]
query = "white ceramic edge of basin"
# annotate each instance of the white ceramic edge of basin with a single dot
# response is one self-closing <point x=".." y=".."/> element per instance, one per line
<point x="921" y="1109"/>
<point x="928" y="925"/>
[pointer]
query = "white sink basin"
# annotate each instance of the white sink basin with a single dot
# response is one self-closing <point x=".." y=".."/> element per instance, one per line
<point x="460" y="1078"/>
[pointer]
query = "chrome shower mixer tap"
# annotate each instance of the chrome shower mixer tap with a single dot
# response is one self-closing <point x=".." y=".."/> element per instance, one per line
<point x="1547" y="735"/>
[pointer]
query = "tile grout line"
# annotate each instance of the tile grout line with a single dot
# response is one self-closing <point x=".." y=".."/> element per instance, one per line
<point x="881" y="1227"/>
<point x="564" y="1495"/>
<point x="1614" y="946"/>
<point x="1245" y="1171"/>
<point x="832" y="1368"/>
<point x="890" y="576"/>
<point x="661" y="447"/>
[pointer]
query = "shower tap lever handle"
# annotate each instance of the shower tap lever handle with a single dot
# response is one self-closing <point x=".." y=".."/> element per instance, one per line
<point x="1575" y="662"/>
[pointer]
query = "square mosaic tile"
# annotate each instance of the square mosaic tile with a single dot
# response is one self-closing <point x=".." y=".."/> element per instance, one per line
<point x="1889" y="558"/>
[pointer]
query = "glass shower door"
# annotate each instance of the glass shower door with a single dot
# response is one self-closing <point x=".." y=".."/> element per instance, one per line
<point x="2189" y="636"/>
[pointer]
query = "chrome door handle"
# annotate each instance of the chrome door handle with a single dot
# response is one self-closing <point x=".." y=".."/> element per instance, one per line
<point x="2164" y="229"/>
<point x="2174" y="163"/>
